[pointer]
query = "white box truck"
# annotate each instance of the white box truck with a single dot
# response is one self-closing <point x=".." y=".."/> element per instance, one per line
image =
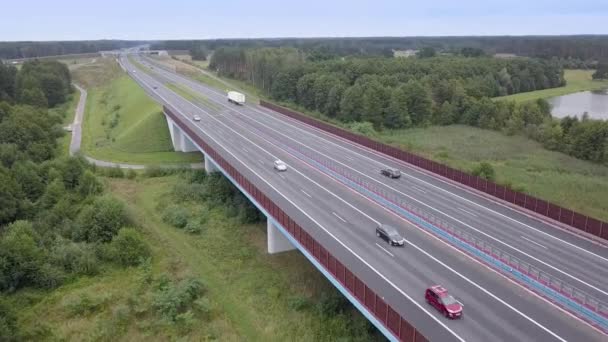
<point x="236" y="97"/>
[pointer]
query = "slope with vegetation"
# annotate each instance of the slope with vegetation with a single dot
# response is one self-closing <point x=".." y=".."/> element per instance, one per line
<point x="121" y="123"/>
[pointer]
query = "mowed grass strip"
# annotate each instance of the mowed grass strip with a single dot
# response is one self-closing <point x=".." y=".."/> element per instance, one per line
<point x="576" y="80"/>
<point x="123" y="124"/>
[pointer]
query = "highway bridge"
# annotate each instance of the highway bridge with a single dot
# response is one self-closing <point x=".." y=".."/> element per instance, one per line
<point x="519" y="278"/>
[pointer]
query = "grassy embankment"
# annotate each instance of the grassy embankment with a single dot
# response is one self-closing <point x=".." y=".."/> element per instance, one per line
<point x="123" y="124"/>
<point x="525" y="164"/>
<point x="252" y="296"/>
<point x="576" y="80"/>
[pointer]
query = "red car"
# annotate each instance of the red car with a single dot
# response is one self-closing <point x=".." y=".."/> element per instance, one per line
<point x="439" y="297"/>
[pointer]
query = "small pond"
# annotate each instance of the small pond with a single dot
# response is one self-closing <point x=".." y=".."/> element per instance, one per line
<point x="593" y="102"/>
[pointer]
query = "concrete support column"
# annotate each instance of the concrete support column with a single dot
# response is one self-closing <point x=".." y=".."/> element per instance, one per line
<point x="175" y="133"/>
<point x="210" y="166"/>
<point x="186" y="144"/>
<point x="277" y="242"/>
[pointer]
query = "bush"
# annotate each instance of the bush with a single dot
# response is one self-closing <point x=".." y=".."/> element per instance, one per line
<point x="332" y="304"/>
<point x="171" y="300"/>
<point x="176" y="216"/>
<point x="76" y="258"/>
<point x="100" y="221"/>
<point x="114" y="172"/>
<point x="84" y="305"/>
<point x="131" y="174"/>
<point x="484" y="170"/>
<point x="20" y="256"/>
<point x="298" y="303"/>
<point x="155" y="171"/>
<point x="193" y="227"/>
<point x="9" y="330"/>
<point x="128" y="248"/>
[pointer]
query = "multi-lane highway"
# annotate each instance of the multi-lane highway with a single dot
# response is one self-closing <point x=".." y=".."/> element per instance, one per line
<point x="343" y="219"/>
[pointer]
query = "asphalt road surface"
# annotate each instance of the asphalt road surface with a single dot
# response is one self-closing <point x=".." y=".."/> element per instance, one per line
<point x="495" y="309"/>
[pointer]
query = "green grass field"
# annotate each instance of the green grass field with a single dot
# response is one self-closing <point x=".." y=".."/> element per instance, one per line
<point x="122" y="124"/>
<point x="554" y="176"/>
<point x="576" y="80"/>
<point x="251" y="294"/>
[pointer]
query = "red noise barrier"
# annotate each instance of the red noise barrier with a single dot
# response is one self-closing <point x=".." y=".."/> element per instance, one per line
<point x="374" y="303"/>
<point x="579" y="221"/>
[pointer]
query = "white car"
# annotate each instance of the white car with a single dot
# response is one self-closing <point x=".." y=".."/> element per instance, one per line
<point x="280" y="166"/>
<point x="197" y="118"/>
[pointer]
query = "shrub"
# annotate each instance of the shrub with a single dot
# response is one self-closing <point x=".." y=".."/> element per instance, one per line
<point x="331" y="304"/>
<point x="128" y="248"/>
<point x="9" y="330"/>
<point x="100" y="221"/>
<point x="155" y="171"/>
<point x="484" y="170"/>
<point x="171" y="300"/>
<point x="298" y="303"/>
<point x="193" y="227"/>
<point x="131" y="174"/>
<point x="176" y="216"/>
<point x="84" y="304"/>
<point x="76" y="258"/>
<point x="115" y="172"/>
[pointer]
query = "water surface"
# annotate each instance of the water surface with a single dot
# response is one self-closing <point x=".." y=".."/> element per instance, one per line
<point x="593" y="102"/>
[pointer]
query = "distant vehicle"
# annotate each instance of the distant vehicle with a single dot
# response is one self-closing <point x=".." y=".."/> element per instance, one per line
<point x="279" y="165"/>
<point x="390" y="172"/>
<point x="390" y="235"/>
<point x="134" y="71"/>
<point x="155" y="87"/>
<point x="197" y="118"/>
<point x="236" y="97"/>
<point x="439" y="297"/>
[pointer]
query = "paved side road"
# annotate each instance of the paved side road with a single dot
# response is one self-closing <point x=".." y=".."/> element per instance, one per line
<point x="77" y="140"/>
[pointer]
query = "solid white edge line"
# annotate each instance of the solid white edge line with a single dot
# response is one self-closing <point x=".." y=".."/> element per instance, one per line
<point x="411" y="167"/>
<point x="443" y="213"/>
<point x="536" y="323"/>
<point x="321" y="226"/>
<point x="462" y="276"/>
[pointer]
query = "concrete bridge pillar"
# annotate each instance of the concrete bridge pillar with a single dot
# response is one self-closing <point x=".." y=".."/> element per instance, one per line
<point x="277" y="242"/>
<point x="210" y="166"/>
<point x="185" y="144"/>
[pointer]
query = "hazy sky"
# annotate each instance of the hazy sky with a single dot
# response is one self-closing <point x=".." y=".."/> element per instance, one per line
<point x="183" y="19"/>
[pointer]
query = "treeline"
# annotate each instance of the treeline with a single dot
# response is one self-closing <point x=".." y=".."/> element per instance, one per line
<point x="391" y="93"/>
<point x="55" y="221"/>
<point x="258" y="66"/>
<point x="39" y="83"/>
<point x="15" y="50"/>
<point x="584" y="47"/>
<point x="399" y="93"/>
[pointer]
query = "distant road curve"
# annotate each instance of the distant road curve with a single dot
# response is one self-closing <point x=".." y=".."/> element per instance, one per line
<point x="77" y="140"/>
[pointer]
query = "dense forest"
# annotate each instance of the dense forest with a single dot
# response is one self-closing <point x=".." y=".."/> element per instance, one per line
<point x="15" y="50"/>
<point x="393" y="93"/>
<point x="55" y="222"/>
<point x="583" y="47"/>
